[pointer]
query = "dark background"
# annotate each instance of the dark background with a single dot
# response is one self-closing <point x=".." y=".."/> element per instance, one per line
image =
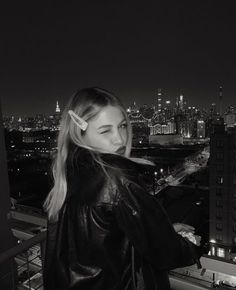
<point x="50" y="48"/>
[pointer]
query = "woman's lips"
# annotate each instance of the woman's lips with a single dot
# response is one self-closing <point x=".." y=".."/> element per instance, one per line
<point x="121" y="150"/>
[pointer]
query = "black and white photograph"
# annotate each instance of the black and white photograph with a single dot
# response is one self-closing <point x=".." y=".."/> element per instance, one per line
<point x="118" y="145"/>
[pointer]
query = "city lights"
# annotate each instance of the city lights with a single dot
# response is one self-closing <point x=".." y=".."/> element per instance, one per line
<point x="176" y="135"/>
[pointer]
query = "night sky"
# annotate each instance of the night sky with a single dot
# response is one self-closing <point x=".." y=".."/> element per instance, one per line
<point x="51" y="48"/>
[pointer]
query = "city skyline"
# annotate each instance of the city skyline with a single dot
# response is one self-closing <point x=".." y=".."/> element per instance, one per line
<point x="57" y="107"/>
<point x="49" y="51"/>
<point x="51" y="106"/>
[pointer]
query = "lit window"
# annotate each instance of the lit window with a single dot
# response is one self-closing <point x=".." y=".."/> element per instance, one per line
<point x="219" y="179"/>
<point x="221" y="252"/>
<point x="213" y="251"/>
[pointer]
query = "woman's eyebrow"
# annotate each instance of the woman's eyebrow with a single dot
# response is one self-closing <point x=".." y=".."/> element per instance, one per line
<point x="104" y="126"/>
<point x="122" y="121"/>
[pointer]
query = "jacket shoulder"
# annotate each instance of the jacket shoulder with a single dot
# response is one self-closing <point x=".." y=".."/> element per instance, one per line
<point x="99" y="176"/>
<point x="91" y="179"/>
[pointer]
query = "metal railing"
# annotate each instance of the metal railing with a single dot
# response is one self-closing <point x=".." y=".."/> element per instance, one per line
<point x="26" y="264"/>
<point x="26" y="261"/>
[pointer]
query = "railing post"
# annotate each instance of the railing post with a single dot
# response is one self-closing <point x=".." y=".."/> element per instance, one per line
<point x="7" y="271"/>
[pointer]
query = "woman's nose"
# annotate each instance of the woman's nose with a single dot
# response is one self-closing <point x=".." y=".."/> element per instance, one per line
<point x="117" y="139"/>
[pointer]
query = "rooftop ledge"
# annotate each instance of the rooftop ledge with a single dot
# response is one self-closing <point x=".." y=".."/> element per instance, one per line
<point x="184" y="284"/>
<point x="218" y="265"/>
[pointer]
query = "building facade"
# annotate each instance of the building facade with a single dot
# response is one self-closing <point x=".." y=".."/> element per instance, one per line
<point x="223" y="192"/>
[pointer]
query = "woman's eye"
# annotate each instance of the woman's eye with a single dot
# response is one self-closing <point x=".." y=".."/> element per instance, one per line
<point x="103" y="132"/>
<point x="123" y="126"/>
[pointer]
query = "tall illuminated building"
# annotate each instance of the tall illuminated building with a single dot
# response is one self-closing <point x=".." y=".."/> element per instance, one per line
<point x="58" y="108"/>
<point x="55" y="118"/>
<point x="181" y="102"/>
<point x="132" y="109"/>
<point x="230" y="119"/>
<point x="222" y="169"/>
<point x="213" y="110"/>
<point x="159" y="101"/>
<point x="201" y="130"/>
<point x="167" y="110"/>
<point x="220" y="100"/>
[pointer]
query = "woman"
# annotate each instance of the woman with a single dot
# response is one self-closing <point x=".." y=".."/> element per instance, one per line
<point x="105" y="230"/>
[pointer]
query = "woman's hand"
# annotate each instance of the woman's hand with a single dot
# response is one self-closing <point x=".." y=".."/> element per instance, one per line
<point x="179" y="227"/>
<point x="187" y="231"/>
<point x="198" y="240"/>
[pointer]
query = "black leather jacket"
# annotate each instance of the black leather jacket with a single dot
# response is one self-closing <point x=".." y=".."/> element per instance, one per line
<point x="111" y="234"/>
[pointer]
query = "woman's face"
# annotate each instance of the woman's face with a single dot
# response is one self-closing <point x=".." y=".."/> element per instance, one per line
<point x="107" y="131"/>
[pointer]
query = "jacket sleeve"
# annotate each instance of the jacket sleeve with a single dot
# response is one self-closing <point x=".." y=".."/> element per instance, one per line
<point x="148" y="228"/>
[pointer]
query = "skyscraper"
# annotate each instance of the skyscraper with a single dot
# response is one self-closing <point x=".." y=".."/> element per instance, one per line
<point x="223" y="191"/>
<point x="201" y="131"/>
<point x="57" y="108"/>
<point x="56" y="117"/>
<point x="213" y="110"/>
<point x="159" y="101"/>
<point x="181" y="102"/>
<point x="220" y="100"/>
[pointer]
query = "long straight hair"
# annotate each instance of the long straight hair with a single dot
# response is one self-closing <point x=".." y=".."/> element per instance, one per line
<point x="86" y="103"/>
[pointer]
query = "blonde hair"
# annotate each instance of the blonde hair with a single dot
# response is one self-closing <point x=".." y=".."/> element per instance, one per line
<point x="86" y="103"/>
